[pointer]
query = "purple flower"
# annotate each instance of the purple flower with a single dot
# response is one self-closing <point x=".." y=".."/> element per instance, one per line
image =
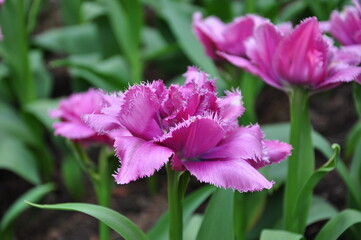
<point x="229" y="38"/>
<point x="346" y="26"/>
<point x="191" y="127"/>
<point x="70" y="112"/>
<point x="303" y="57"/>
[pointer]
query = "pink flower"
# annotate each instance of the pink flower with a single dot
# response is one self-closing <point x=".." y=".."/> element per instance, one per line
<point x="229" y="38"/>
<point x="191" y="127"/>
<point x="346" y="26"/>
<point x="304" y="57"/>
<point x="2" y="2"/>
<point x="70" y="113"/>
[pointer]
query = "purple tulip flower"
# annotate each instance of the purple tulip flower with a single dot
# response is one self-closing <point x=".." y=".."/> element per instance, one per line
<point x="303" y="57"/>
<point x="192" y="128"/>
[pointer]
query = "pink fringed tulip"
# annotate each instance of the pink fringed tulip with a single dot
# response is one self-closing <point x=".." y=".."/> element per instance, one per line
<point x="70" y="113"/>
<point x="191" y="127"/>
<point x="229" y="38"/>
<point x="346" y="26"/>
<point x="304" y="57"/>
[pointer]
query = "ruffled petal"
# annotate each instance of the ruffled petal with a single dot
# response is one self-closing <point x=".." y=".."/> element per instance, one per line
<point x="243" y="143"/>
<point x="236" y="174"/>
<point x="139" y="112"/>
<point x="139" y="158"/>
<point x="194" y="136"/>
<point x="101" y="122"/>
<point x="73" y="130"/>
<point x="231" y="106"/>
<point x="275" y="151"/>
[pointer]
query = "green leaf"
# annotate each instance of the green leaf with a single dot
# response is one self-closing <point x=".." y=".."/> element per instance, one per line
<point x="12" y="125"/>
<point x="320" y="210"/>
<point x="218" y="218"/>
<point x="190" y="204"/>
<point x="126" y="20"/>
<point x="73" y="177"/>
<point x="40" y="109"/>
<point x="352" y="139"/>
<point x="43" y="81"/>
<point x="338" y="224"/>
<point x="17" y="158"/>
<point x="79" y="39"/>
<point x="178" y="16"/>
<point x="110" y="74"/>
<point x="279" y="235"/>
<point x="352" y="184"/>
<point x="14" y="211"/>
<point x="312" y="181"/>
<point x="70" y="11"/>
<point x="192" y="228"/>
<point x="92" y="10"/>
<point x="116" y="221"/>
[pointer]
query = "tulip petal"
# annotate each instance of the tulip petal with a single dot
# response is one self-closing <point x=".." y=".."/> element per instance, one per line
<point x="194" y="136"/>
<point x="101" y="122"/>
<point x="138" y="112"/>
<point x="236" y="174"/>
<point x="139" y="158"/>
<point x="276" y="151"/>
<point x="73" y="130"/>
<point x="243" y="142"/>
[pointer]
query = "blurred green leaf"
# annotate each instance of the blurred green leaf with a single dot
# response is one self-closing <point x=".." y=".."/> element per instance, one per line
<point x="126" y="20"/>
<point x="73" y="177"/>
<point x="18" y="207"/>
<point x="353" y="137"/>
<point x="70" y="11"/>
<point x="110" y="74"/>
<point x="40" y="109"/>
<point x="161" y="229"/>
<point x="218" y="218"/>
<point x="41" y="76"/>
<point x="292" y="10"/>
<point x="14" y="50"/>
<point x="279" y="235"/>
<point x="352" y="184"/>
<point x="17" y="158"/>
<point x="116" y="221"/>
<point x="12" y="125"/>
<point x="92" y="10"/>
<point x="338" y="224"/>
<point x="320" y="210"/>
<point x="80" y="39"/>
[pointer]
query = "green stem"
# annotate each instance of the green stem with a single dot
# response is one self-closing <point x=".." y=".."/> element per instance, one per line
<point x="239" y="216"/>
<point x="357" y="98"/>
<point x="103" y="189"/>
<point x="301" y="162"/>
<point x="176" y="189"/>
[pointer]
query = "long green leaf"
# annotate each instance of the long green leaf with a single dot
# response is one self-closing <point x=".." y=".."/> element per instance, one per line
<point x="352" y="139"/>
<point x="190" y="204"/>
<point x="279" y="235"/>
<point x="79" y="39"/>
<point x="33" y="195"/>
<point x="18" y="159"/>
<point x="312" y="181"/>
<point x="116" y="221"/>
<point x="217" y="221"/>
<point x="40" y="109"/>
<point x="320" y="210"/>
<point x="338" y="224"/>
<point x="42" y="78"/>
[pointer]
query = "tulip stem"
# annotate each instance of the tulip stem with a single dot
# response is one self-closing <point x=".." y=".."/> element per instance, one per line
<point x="301" y="162"/>
<point x="176" y="188"/>
<point x="103" y="188"/>
<point x="239" y="216"/>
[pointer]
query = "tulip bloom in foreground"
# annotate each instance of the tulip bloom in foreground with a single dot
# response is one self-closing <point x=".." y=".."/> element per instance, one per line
<point x="192" y="128"/>
<point x="70" y="112"/>
<point x="303" y="57"/>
